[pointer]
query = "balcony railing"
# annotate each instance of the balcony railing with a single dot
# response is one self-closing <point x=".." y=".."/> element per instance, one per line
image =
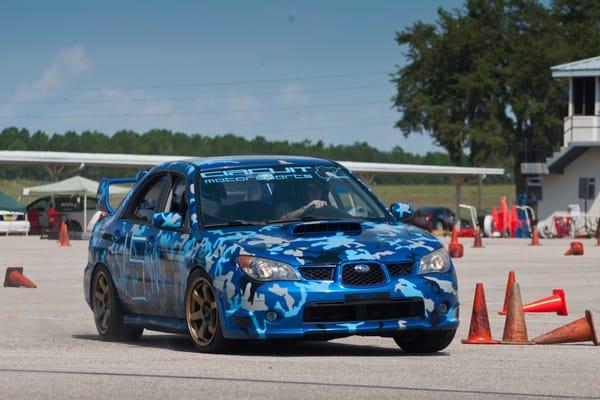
<point x="581" y="128"/>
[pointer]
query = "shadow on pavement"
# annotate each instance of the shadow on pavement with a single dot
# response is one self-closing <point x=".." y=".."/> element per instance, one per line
<point x="274" y="348"/>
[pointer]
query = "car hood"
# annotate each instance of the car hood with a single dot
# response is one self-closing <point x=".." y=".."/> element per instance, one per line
<point x="368" y="241"/>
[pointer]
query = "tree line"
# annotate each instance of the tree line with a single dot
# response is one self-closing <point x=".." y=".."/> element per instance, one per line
<point x="166" y="142"/>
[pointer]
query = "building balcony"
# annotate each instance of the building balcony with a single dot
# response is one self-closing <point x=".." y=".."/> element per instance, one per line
<point x="581" y="128"/>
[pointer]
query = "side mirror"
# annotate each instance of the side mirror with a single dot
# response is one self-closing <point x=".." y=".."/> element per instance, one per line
<point x="169" y="220"/>
<point x="401" y="211"/>
<point x="141" y="174"/>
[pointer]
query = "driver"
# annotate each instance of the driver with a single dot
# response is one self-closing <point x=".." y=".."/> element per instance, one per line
<point x="314" y="198"/>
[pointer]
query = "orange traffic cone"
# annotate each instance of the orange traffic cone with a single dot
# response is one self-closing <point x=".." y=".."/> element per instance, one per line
<point x="456" y="250"/>
<point x="555" y="303"/>
<point x="479" y="332"/>
<point x="63" y="236"/>
<point x="14" y="278"/>
<point x="515" y="330"/>
<point x="454" y="237"/>
<point x="581" y="330"/>
<point x="575" y="249"/>
<point x="509" y="283"/>
<point x="535" y="237"/>
<point x="477" y="241"/>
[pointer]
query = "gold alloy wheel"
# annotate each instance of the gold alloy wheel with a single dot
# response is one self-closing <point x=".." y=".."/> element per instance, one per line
<point x="102" y="302"/>
<point x="201" y="312"/>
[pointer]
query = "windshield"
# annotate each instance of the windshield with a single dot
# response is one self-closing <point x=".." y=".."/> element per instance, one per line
<point x="283" y="193"/>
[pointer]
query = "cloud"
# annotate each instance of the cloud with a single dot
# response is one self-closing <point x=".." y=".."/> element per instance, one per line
<point x="239" y="107"/>
<point x="75" y="59"/>
<point x="69" y="62"/>
<point x="291" y="95"/>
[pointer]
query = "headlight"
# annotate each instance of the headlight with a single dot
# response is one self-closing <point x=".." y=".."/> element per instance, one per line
<point x="436" y="261"/>
<point x="263" y="269"/>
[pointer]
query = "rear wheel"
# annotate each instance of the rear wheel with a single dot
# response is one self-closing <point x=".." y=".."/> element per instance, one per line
<point x="425" y="341"/>
<point x="202" y="315"/>
<point x="107" y="310"/>
<point x="74" y="226"/>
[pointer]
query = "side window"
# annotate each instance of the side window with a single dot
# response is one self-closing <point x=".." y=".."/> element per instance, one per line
<point x="41" y="204"/>
<point x="146" y="203"/>
<point x="350" y="202"/>
<point x="91" y="203"/>
<point x="177" y="200"/>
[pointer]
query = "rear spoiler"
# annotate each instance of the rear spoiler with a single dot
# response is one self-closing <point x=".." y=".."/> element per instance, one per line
<point x="103" y="195"/>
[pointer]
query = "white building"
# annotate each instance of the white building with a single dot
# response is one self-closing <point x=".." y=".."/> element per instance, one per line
<point x="574" y="170"/>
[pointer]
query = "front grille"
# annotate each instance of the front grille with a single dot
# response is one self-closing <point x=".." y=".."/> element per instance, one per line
<point x="364" y="311"/>
<point x="318" y="273"/>
<point x="398" y="269"/>
<point x="351" y="277"/>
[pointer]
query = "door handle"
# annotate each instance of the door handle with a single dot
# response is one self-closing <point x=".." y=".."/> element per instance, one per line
<point x="115" y="238"/>
<point x="150" y="242"/>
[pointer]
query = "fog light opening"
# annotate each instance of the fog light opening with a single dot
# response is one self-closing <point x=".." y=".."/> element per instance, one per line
<point x="443" y="308"/>
<point x="271" y="316"/>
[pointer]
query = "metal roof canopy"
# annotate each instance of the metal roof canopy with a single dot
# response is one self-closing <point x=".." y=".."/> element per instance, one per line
<point x="586" y="67"/>
<point x="142" y="160"/>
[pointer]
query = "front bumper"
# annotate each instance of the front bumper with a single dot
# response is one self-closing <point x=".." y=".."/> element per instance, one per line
<point x="413" y="302"/>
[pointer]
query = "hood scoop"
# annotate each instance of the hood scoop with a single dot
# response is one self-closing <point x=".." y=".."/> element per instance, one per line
<point x="327" y="227"/>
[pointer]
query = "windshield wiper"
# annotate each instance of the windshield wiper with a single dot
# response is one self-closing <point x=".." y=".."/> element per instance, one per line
<point x="236" y="222"/>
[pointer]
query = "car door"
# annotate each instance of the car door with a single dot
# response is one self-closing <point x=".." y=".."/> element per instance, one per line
<point x="139" y="243"/>
<point x="170" y="263"/>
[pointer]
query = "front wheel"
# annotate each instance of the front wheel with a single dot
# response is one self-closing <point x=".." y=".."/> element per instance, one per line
<point x="425" y="341"/>
<point x="202" y="315"/>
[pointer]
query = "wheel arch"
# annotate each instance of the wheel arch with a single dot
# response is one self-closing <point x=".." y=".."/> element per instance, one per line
<point x="112" y="280"/>
<point x="74" y="226"/>
<point x="195" y="267"/>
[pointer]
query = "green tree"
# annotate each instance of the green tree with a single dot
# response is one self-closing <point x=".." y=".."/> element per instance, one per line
<point x="479" y="80"/>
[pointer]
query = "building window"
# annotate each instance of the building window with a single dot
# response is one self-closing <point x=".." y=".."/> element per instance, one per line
<point x="584" y="95"/>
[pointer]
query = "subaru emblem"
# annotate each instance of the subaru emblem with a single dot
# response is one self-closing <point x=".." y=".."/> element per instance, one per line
<point x="362" y="268"/>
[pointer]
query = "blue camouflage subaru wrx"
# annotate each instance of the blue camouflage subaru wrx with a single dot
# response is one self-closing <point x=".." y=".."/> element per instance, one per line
<point x="265" y="248"/>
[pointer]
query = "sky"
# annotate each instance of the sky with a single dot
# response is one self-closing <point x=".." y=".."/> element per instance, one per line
<point x="316" y="70"/>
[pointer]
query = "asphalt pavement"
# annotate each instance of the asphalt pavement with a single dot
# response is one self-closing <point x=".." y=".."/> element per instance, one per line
<point x="49" y="348"/>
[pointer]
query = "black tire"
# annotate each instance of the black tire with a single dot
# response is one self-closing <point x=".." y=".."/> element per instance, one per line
<point x="422" y="342"/>
<point x="207" y="306"/>
<point x="74" y="226"/>
<point x="108" y="315"/>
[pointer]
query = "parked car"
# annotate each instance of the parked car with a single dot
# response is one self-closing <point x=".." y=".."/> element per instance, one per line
<point x="46" y="213"/>
<point x="13" y="222"/>
<point x="12" y="216"/>
<point x="440" y="218"/>
<point x="265" y="248"/>
<point x="420" y="221"/>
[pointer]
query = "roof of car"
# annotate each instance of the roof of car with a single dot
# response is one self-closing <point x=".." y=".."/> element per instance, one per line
<point x="255" y="161"/>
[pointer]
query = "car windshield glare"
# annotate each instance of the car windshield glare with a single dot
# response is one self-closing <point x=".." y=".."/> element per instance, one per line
<point x="284" y="193"/>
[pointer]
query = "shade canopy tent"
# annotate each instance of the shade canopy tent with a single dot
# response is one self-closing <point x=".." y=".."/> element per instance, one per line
<point x="7" y="203"/>
<point x="76" y="185"/>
